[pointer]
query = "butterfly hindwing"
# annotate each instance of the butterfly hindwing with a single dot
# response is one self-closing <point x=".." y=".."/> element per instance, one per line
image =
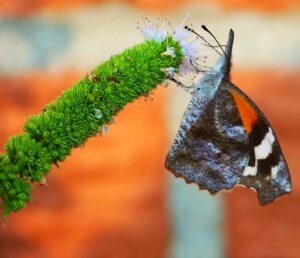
<point x="266" y="171"/>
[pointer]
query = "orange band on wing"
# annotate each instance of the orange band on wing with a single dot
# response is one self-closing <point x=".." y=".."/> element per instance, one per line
<point x="247" y="113"/>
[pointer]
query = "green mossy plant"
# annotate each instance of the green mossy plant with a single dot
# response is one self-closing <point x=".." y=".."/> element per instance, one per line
<point x="80" y="113"/>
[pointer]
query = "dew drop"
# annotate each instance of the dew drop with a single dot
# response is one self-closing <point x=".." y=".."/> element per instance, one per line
<point x="104" y="129"/>
<point x="98" y="113"/>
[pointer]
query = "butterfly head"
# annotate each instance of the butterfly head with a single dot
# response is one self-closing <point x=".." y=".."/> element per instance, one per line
<point x="223" y="65"/>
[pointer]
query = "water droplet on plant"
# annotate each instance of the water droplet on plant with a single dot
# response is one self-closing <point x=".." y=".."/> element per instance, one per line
<point x="98" y="113"/>
<point x="104" y="129"/>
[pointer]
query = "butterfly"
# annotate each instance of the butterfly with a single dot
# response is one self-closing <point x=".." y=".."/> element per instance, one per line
<point x="224" y="140"/>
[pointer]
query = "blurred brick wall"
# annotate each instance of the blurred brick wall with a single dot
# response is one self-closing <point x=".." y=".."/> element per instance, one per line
<point x="109" y="198"/>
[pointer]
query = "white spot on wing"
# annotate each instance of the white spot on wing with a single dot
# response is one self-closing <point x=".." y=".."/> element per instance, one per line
<point x="288" y="188"/>
<point x="250" y="171"/>
<point x="274" y="171"/>
<point x="262" y="151"/>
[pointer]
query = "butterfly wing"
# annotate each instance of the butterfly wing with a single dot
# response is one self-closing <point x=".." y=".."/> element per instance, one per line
<point x="266" y="171"/>
<point x="224" y="140"/>
<point x="211" y="147"/>
<point x="227" y="141"/>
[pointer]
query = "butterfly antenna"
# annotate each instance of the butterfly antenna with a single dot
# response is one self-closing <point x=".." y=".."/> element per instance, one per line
<point x="207" y="30"/>
<point x="198" y="35"/>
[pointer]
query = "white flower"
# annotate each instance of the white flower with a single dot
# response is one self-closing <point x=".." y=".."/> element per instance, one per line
<point x="180" y="34"/>
<point x="185" y="67"/>
<point x="169" y="52"/>
<point x="153" y="31"/>
<point x="170" y="71"/>
<point x="190" y="49"/>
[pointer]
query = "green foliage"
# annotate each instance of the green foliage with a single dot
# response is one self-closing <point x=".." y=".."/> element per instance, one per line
<point x="79" y="114"/>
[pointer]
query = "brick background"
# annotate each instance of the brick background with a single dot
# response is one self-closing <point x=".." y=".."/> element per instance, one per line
<point x="111" y="197"/>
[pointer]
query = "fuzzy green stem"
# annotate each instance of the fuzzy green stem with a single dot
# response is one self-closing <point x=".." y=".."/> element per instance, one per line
<point x="79" y="114"/>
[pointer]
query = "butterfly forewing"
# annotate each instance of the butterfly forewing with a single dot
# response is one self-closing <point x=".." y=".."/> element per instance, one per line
<point x="266" y="171"/>
<point x="213" y="151"/>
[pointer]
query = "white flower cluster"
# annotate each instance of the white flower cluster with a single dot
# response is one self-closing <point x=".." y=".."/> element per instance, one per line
<point x="190" y="49"/>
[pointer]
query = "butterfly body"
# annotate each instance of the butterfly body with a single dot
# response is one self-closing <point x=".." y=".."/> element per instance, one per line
<point x="224" y="140"/>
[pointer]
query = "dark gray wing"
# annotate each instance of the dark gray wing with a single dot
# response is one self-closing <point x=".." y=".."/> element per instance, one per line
<point x="211" y="147"/>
